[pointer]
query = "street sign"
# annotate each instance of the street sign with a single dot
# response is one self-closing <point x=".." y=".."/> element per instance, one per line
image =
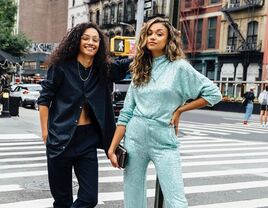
<point x="148" y="4"/>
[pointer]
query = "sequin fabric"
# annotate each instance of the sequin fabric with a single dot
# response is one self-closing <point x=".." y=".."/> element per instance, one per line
<point x="146" y="114"/>
<point x="171" y="85"/>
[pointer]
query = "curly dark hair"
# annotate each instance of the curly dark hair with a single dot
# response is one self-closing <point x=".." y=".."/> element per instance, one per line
<point x="69" y="47"/>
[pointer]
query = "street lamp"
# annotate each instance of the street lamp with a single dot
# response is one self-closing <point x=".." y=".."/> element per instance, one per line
<point x="126" y="24"/>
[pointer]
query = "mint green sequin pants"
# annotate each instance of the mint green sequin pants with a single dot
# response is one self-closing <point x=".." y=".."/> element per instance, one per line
<point x="147" y="140"/>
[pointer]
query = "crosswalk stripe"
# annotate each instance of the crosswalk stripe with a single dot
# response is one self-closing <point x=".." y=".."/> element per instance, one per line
<point x="10" y="187"/>
<point x="226" y="187"/>
<point x="250" y="203"/>
<point x="184" y="164"/>
<point x="22" y="148"/>
<point x="202" y="174"/>
<point x="193" y="133"/>
<point x="4" y="160"/>
<point x="118" y="196"/>
<point x="213" y="128"/>
<point x="223" y="150"/>
<point x="245" y="154"/>
<point x="226" y="126"/>
<point x="19" y="143"/>
<point x="205" y="130"/>
<point x="189" y="144"/>
<point x="22" y="174"/>
<point x="19" y="136"/>
<point x="183" y="146"/>
<point x="249" y="127"/>
<point x="21" y="153"/>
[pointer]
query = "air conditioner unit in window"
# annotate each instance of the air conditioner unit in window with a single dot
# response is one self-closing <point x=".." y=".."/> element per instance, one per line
<point x="229" y="49"/>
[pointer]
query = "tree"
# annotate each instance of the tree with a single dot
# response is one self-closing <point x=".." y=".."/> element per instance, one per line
<point x="15" y="44"/>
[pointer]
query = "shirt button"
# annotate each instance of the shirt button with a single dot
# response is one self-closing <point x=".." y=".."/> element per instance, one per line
<point x="80" y="107"/>
<point x="76" y="121"/>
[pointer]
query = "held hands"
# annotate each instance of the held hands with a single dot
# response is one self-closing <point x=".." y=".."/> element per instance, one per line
<point x="175" y="120"/>
<point x="113" y="158"/>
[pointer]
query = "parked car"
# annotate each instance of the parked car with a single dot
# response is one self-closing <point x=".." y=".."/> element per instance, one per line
<point x="28" y="94"/>
<point x="119" y="92"/>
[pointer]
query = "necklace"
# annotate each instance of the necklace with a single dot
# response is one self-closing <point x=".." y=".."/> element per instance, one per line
<point x="89" y="73"/>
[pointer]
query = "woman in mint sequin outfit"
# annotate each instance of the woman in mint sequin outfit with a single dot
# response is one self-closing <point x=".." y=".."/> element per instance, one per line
<point x="162" y="82"/>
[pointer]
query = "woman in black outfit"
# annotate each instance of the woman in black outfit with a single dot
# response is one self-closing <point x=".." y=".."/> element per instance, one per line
<point x="76" y="113"/>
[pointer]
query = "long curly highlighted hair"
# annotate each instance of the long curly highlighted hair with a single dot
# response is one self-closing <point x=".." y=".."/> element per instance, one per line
<point x="141" y="66"/>
<point x="69" y="47"/>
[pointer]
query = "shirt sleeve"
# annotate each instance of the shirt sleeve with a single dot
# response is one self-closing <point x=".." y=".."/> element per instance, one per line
<point x="119" y="69"/>
<point x="50" y="85"/>
<point x="126" y="112"/>
<point x="197" y="85"/>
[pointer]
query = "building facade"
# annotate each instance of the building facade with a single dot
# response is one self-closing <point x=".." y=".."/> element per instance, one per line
<point x="243" y="31"/>
<point x="200" y="27"/>
<point x="44" y="23"/>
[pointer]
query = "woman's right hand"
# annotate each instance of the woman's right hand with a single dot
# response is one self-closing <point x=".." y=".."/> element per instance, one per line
<point x="44" y="136"/>
<point x="113" y="159"/>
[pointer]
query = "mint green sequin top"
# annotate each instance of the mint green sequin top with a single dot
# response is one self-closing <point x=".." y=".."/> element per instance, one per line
<point x="170" y="86"/>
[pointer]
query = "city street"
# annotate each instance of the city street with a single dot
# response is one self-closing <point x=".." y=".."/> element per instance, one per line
<point x="225" y="163"/>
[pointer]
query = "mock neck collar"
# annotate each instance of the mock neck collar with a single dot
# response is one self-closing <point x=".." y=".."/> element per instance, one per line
<point x="158" y="58"/>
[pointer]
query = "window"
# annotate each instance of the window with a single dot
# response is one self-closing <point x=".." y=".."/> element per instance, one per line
<point x="187" y="3"/>
<point x="252" y="35"/>
<point x="72" y="23"/>
<point x="199" y="33"/>
<point x="106" y="15"/>
<point x="91" y="16"/>
<point x="73" y="3"/>
<point x="185" y="43"/>
<point x="214" y="1"/>
<point x="234" y="3"/>
<point x="113" y="14"/>
<point x="130" y="15"/>
<point x="232" y="38"/>
<point x="212" y="29"/>
<point x="120" y="12"/>
<point x="98" y="17"/>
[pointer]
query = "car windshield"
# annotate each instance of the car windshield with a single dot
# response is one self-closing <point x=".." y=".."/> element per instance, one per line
<point x="34" y="88"/>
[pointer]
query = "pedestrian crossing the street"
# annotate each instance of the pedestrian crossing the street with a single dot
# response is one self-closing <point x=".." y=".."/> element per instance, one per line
<point x="218" y="172"/>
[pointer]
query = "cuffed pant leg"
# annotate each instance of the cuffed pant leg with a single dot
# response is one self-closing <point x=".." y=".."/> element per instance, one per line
<point x="86" y="171"/>
<point x="60" y="181"/>
<point x="168" y="170"/>
<point x="135" y="176"/>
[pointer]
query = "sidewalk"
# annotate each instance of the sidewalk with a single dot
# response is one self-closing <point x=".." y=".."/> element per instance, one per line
<point x="27" y="122"/>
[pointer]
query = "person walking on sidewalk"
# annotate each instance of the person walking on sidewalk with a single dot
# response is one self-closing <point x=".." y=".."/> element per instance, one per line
<point x="249" y="98"/>
<point x="162" y="82"/>
<point x="76" y="113"/>
<point x="263" y="100"/>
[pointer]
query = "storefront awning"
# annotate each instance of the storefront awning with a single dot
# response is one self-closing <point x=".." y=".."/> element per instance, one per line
<point x="4" y="56"/>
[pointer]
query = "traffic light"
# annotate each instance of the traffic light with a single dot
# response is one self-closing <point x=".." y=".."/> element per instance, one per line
<point x="122" y="45"/>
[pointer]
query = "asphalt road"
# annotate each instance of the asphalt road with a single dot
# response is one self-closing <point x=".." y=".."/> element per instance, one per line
<point x="225" y="163"/>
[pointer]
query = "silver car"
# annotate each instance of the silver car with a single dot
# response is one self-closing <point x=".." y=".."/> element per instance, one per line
<point x="28" y="94"/>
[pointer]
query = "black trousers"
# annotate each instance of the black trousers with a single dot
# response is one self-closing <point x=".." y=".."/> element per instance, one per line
<point x="80" y="154"/>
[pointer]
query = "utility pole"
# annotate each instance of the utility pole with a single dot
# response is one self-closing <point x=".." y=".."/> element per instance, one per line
<point x="140" y="17"/>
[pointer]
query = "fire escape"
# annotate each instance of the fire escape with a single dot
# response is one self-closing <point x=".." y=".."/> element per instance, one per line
<point x="249" y="6"/>
<point x="192" y="8"/>
<point x="248" y="47"/>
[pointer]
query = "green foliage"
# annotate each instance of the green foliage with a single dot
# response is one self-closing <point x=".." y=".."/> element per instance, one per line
<point x="14" y="44"/>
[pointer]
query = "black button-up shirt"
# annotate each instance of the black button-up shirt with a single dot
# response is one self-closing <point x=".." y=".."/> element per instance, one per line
<point x="64" y="92"/>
